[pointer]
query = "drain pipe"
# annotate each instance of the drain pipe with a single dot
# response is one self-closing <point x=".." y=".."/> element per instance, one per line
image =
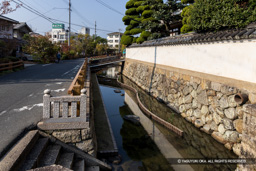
<point x="241" y="98"/>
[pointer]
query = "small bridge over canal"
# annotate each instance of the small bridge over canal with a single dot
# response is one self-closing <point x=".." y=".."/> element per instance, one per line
<point x="105" y="60"/>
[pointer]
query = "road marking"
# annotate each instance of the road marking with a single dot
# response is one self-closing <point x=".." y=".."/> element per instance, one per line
<point x="30" y="107"/>
<point x="31" y="95"/>
<point x="72" y="70"/>
<point x="46" y="65"/>
<point x="59" y="90"/>
<point x="59" y="83"/>
<point x="3" y="112"/>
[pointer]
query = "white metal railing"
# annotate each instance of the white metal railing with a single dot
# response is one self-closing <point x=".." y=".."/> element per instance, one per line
<point x="64" y="106"/>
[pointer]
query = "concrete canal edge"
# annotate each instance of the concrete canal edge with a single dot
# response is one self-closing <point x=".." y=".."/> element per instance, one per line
<point x="160" y="140"/>
<point x="105" y="139"/>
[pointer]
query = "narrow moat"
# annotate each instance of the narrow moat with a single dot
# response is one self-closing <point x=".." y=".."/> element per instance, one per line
<point x="136" y="146"/>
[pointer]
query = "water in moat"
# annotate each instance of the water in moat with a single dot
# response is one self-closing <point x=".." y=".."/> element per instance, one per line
<point x="138" y="150"/>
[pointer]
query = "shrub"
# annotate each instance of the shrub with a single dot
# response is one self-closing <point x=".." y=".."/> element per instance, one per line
<point x="135" y="31"/>
<point x="131" y="11"/>
<point x="126" y="40"/>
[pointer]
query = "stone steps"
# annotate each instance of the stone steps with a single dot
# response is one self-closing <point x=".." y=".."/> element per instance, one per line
<point x="50" y="156"/>
<point x="32" y="159"/>
<point x="66" y="160"/>
<point x="37" y="150"/>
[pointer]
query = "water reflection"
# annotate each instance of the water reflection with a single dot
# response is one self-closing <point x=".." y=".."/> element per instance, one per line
<point x="195" y="143"/>
<point x="137" y="149"/>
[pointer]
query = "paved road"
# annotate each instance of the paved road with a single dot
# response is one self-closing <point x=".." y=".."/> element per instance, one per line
<point x="21" y="95"/>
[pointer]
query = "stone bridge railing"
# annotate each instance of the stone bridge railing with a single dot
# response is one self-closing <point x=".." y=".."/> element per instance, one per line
<point x="60" y="112"/>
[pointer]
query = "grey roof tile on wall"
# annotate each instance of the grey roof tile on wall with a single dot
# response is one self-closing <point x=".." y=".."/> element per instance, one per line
<point x="238" y="34"/>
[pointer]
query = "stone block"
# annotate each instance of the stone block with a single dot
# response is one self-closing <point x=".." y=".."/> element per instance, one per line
<point x="190" y="112"/>
<point x="188" y="99"/>
<point x="237" y="149"/>
<point x="223" y="102"/>
<point x="184" y="115"/>
<point x="215" y="86"/>
<point x="197" y="113"/>
<point x="86" y="134"/>
<point x="198" y="123"/>
<point x="238" y="124"/>
<point x="219" y="95"/>
<point x="208" y="118"/>
<point x="219" y="137"/>
<point x="252" y="98"/>
<point x="230" y="113"/>
<point x="231" y="136"/>
<point x="207" y="129"/>
<point x="228" y="124"/>
<point x="211" y="93"/>
<point x="216" y="118"/>
<point x="182" y="108"/>
<point x="205" y="110"/>
<point x="188" y="106"/>
<point x="214" y="126"/>
<point x="68" y="136"/>
<point x="228" y="146"/>
<point x="239" y="112"/>
<point x="193" y="94"/>
<point x="202" y="98"/>
<point x="195" y="80"/>
<point x="231" y="101"/>
<point x="205" y="84"/>
<point x="221" y="129"/>
<point x="220" y="112"/>
<point x="85" y="145"/>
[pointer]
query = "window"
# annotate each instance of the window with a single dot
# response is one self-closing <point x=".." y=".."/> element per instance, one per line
<point x="110" y="45"/>
<point x="111" y="36"/>
<point x="62" y="37"/>
<point x="116" y="41"/>
<point x="116" y="46"/>
<point x="7" y="28"/>
<point x="3" y="27"/>
<point x="55" y="36"/>
<point x="110" y="41"/>
<point x="116" y="36"/>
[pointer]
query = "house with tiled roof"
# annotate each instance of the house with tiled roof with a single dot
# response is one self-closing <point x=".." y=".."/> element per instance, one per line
<point x="6" y="27"/>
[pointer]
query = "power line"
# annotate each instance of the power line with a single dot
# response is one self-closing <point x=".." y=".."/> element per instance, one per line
<point x="51" y="20"/>
<point x="32" y="10"/>
<point x="109" y="7"/>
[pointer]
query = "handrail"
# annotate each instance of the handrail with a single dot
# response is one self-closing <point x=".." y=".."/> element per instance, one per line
<point x="11" y="65"/>
<point x="60" y="106"/>
<point x="150" y="114"/>
<point x="78" y="83"/>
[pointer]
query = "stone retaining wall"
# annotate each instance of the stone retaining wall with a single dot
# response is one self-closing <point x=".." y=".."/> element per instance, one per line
<point x="209" y="105"/>
<point x="81" y="138"/>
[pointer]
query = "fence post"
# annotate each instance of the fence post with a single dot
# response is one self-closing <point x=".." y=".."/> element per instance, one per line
<point x="47" y="104"/>
<point x="83" y="103"/>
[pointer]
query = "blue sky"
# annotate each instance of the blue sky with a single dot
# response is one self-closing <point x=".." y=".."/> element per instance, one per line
<point x="85" y="12"/>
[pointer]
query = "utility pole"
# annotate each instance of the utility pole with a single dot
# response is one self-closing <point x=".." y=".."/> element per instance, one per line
<point x="119" y="41"/>
<point x="69" y="28"/>
<point x="95" y="31"/>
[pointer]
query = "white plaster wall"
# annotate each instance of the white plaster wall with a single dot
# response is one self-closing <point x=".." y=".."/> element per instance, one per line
<point x="236" y="60"/>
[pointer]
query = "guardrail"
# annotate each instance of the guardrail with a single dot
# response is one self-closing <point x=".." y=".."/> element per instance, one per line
<point x="64" y="106"/>
<point x="149" y="113"/>
<point x="11" y="65"/>
<point x="78" y="83"/>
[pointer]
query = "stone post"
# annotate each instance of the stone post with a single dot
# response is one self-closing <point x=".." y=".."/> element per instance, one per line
<point x="248" y="145"/>
<point x="47" y="104"/>
<point x="83" y="103"/>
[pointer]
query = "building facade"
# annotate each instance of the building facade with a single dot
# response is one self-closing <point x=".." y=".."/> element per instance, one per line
<point x="85" y="30"/>
<point x="58" y="34"/>
<point x="114" y="39"/>
<point x="6" y="27"/>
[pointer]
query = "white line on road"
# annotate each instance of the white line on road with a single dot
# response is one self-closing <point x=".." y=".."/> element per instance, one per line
<point x="59" y="83"/>
<point x="59" y="90"/>
<point x="46" y="65"/>
<point x="3" y="112"/>
<point x="28" y="107"/>
<point x="74" y="69"/>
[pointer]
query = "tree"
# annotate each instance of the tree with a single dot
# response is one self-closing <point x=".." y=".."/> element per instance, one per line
<point x="41" y="48"/>
<point x="186" y="16"/>
<point x="167" y="13"/>
<point x="5" y="7"/>
<point x="221" y="14"/>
